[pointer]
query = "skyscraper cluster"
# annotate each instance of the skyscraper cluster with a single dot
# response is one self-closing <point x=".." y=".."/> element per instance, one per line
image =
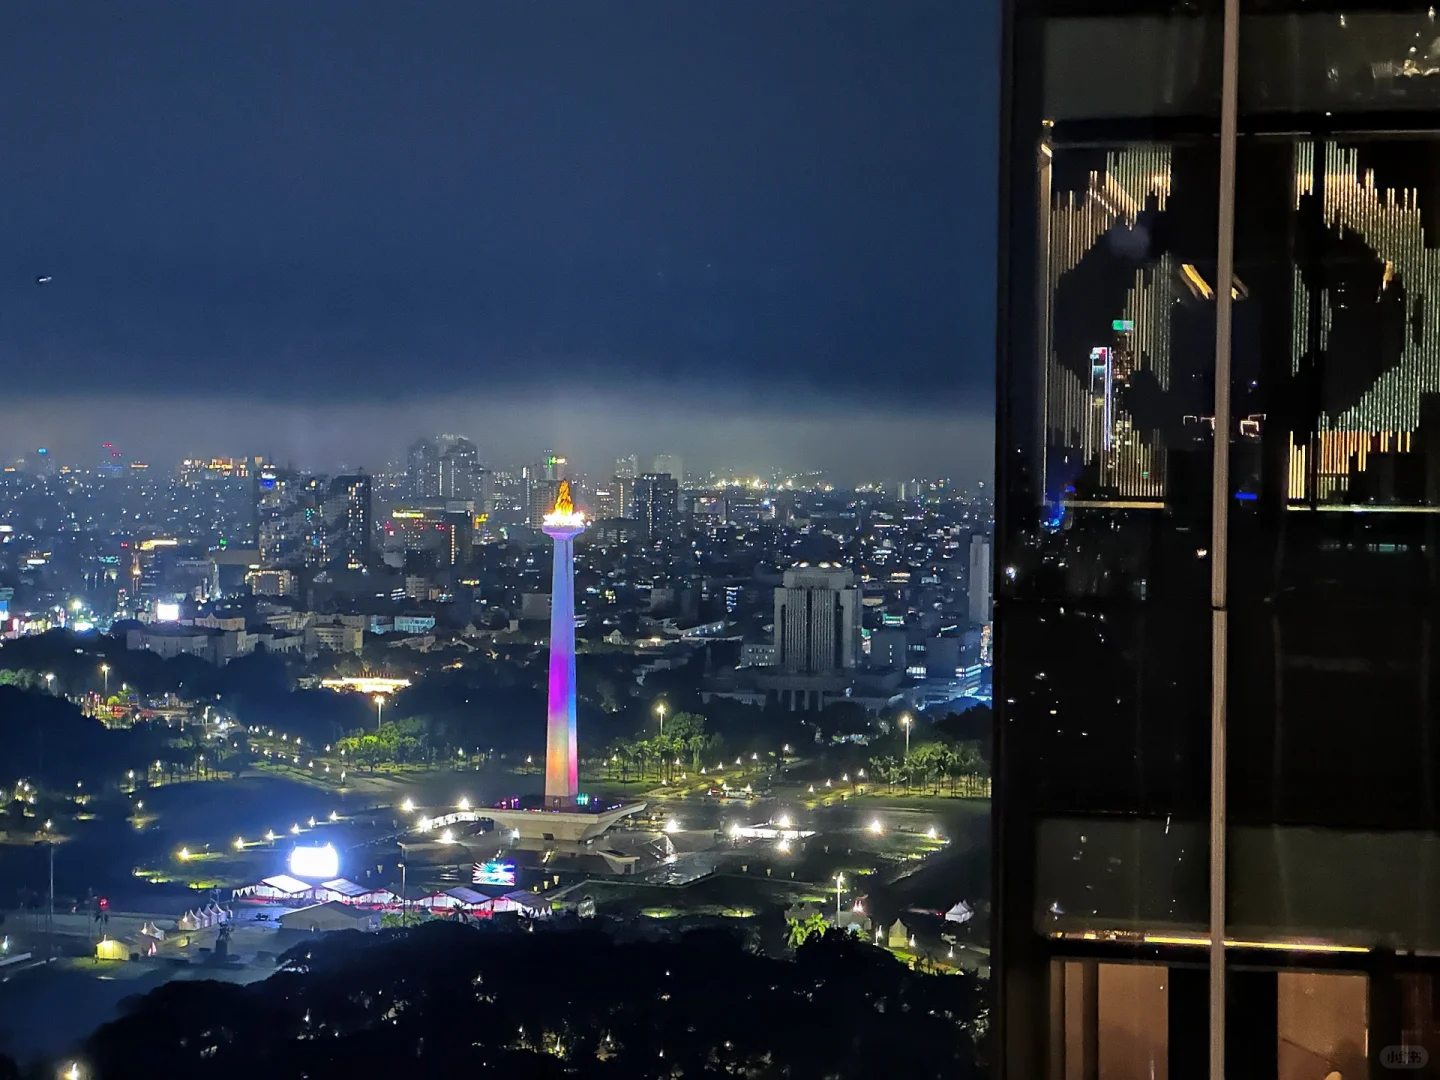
<point x="447" y="468"/>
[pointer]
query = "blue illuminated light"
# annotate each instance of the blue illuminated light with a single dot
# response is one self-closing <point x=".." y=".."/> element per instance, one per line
<point x="494" y="873"/>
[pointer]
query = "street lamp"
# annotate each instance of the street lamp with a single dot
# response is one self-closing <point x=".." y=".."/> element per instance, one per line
<point x="379" y="710"/>
<point x="839" y="887"/>
<point x="105" y="674"/>
<point x="906" y="723"/>
<point x="660" y="708"/>
<point x="404" y="898"/>
<point x="50" y="681"/>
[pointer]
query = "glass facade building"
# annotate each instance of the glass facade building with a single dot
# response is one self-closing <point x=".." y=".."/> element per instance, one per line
<point x="1267" y="606"/>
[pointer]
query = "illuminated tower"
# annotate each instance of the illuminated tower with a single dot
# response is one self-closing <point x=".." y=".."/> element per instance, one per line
<point x="562" y="774"/>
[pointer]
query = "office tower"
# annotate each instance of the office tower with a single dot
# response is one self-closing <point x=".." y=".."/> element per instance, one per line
<point x="460" y="532"/>
<point x="628" y="467"/>
<point x="562" y="524"/>
<point x="442" y="534"/>
<point x="656" y="505"/>
<point x="422" y="469"/>
<point x="672" y="464"/>
<point x="541" y="494"/>
<point x="625" y="495"/>
<point x="276" y="502"/>
<point x="1215" y="526"/>
<point x="817" y="624"/>
<point x="484" y="490"/>
<point x="458" y="471"/>
<point x="348" y="522"/>
<point x="607" y="501"/>
<point x="979" y="581"/>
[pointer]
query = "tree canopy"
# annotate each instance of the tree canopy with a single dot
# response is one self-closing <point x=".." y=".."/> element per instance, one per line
<point x="490" y="1001"/>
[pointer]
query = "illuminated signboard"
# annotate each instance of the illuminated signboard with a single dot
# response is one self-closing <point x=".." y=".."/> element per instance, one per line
<point x="166" y="612"/>
<point x="315" y="862"/>
<point x="494" y="873"/>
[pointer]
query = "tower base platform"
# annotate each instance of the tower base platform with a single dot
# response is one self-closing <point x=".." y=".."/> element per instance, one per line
<point x="576" y="823"/>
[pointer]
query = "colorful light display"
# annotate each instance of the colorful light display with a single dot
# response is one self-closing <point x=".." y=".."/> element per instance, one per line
<point x="562" y="768"/>
<point x="493" y="873"/>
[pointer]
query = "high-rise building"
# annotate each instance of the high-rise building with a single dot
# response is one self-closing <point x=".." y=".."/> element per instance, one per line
<point x="349" y="532"/>
<point x="485" y="490"/>
<point x="656" y="505"/>
<point x="628" y="467"/>
<point x="276" y="503"/>
<point x="1219" y="473"/>
<point x="459" y="471"/>
<point x="445" y="535"/>
<point x="607" y="500"/>
<point x="673" y="464"/>
<point x="541" y="496"/>
<point x="979" y="581"/>
<point x="460" y="531"/>
<point x="817" y="621"/>
<point x="422" y="469"/>
<point x="625" y="496"/>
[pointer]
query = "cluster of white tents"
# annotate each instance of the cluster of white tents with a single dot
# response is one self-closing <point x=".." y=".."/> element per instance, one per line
<point x="147" y="939"/>
<point x="477" y="903"/>
<point x="284" y="889"/>
<point x="210" y="915"/>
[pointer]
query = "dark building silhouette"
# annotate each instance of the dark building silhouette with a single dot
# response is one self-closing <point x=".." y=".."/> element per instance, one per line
<point x="657" y="504"/>
<point x="422" y="469"/>
<point x="1130" y="623"/>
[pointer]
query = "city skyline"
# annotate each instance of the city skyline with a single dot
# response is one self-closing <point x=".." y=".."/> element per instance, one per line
<point x="878" y="446"/>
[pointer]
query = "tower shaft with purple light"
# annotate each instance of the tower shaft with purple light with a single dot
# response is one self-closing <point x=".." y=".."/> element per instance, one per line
<point x="562" y="768"/>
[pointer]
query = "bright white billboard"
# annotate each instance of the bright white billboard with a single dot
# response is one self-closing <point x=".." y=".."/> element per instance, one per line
<point x="315" y="862"/>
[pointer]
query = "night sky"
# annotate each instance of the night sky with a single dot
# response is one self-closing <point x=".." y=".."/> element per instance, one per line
<point x="739" y="230"/>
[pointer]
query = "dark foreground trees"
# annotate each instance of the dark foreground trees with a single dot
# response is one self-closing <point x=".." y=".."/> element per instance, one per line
<point x="494" y="1002"/>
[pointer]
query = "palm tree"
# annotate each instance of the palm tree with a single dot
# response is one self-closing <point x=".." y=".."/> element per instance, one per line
<point x="801" y="929"/>
<point x="886" y="770"/>
<point x="697" y="745"/>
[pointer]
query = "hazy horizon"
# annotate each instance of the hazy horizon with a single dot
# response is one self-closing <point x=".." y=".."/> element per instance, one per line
<point x="854" y="444"/>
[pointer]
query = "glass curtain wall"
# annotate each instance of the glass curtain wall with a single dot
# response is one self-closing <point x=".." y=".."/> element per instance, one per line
<point x="1110" y="198"/>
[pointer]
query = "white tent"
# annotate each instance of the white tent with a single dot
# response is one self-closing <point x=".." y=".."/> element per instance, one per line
<point x="279" y="887"/>
<point x="469" y="900"/>
<point x="526" y="903"/>
<point x="960" y="913"/>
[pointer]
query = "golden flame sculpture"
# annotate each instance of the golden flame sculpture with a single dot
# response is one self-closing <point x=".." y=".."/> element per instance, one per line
<point x="564" y="504"/>
<point x="564" y="514"/>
